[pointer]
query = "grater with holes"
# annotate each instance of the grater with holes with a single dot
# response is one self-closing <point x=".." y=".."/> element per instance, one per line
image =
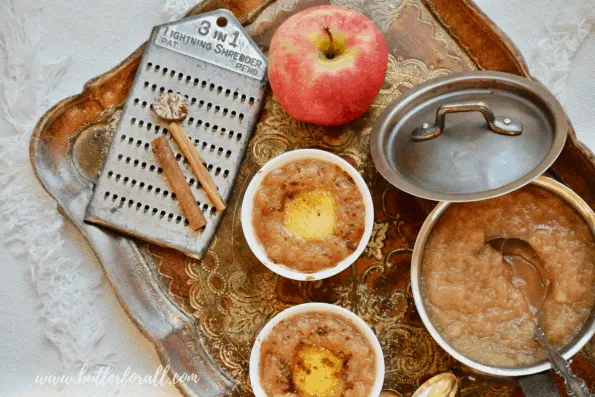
<point x="212" y="61"/>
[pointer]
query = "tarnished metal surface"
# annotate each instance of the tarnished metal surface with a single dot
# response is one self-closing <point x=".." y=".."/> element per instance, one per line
<point x="469" y="162"/>
<point x="216" y="65"/>
<point x="203" y="315"/>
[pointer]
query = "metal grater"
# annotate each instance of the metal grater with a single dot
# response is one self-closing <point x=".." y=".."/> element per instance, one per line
<point x="210" y="59"/>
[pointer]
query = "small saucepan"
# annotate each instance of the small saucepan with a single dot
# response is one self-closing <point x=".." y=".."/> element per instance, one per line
<point x="533" y="386"/>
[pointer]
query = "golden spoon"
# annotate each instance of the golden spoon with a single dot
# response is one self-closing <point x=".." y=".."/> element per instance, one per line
<point x="443" y="385"/>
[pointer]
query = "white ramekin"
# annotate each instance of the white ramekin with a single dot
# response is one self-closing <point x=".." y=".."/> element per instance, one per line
<point x="308" y="308"/>
<point x="248" y="204"/>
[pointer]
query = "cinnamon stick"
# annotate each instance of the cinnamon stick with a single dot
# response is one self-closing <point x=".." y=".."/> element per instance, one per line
<point x="177" y="182"/>
<point x="196" y="163"/>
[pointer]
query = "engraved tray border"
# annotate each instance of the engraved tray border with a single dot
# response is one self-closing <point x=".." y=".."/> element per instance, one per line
<point x="142" y="294"/>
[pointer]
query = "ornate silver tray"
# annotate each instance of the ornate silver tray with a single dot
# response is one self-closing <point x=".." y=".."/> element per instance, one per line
<point x="203" y="315"/>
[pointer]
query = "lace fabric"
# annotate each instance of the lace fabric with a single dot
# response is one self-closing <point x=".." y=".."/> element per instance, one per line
<point x="564" y="35"/>
<point x="66" y="290"/>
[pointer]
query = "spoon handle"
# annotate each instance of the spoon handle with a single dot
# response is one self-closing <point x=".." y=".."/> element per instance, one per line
<point x="575" y="386"/>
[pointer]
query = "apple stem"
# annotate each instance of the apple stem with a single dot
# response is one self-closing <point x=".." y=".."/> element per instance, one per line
<point x="330" y="52"/>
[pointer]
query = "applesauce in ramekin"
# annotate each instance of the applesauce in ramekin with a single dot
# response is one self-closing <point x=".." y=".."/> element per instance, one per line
<point x="294" y="214"/>
<point x="308" y="214"/>
<point x="316" y="349"/>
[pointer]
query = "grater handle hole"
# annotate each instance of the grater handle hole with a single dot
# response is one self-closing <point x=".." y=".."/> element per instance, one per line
<point x="222" y="22"/>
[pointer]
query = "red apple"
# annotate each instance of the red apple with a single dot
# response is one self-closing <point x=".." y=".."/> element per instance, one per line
<point x="326" y="64"/>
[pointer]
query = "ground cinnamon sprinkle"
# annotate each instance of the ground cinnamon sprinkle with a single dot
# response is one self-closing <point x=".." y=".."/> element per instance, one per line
<point x="345" y="363"/>
<point x="308" y="215"/>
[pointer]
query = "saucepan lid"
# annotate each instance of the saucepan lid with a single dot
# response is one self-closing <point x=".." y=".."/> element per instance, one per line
<point x="468" y="136"/>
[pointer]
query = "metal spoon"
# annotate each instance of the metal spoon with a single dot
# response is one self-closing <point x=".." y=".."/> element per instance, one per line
<point x="442" y="385"/>
<point x="527" y="268"/>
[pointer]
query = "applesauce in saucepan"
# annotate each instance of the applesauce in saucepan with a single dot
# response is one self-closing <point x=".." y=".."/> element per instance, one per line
<point x="467" y="286"/>
<point x="317" y="354"/>
<point x="308" y="215"/>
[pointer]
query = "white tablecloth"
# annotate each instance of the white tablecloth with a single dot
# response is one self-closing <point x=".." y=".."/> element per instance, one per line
<point x="96" y="36"/>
